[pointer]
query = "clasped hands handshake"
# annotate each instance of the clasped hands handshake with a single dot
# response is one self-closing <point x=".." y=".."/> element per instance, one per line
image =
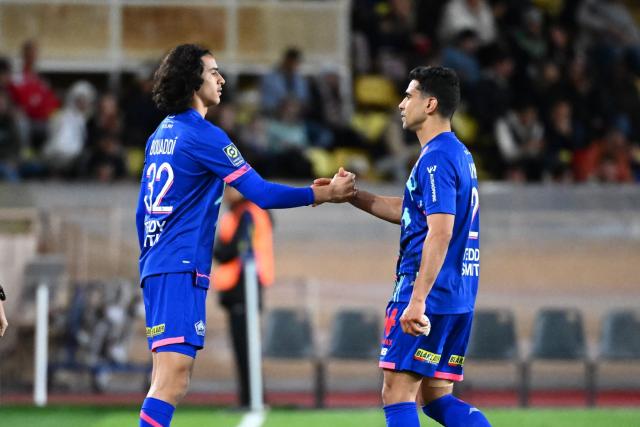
<point x="341" y="188"/>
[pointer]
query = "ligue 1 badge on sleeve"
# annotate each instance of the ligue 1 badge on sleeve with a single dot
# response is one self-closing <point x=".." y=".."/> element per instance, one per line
<point x="232" y="153"/>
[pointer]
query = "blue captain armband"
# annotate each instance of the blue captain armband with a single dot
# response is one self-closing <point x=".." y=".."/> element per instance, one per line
<point x="269" y="195"/>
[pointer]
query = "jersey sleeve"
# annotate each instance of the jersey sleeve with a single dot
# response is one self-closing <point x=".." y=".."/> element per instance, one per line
<point x="213" y="149"/>
<point x="270" y="195"/>
<point x="437" y="177"/>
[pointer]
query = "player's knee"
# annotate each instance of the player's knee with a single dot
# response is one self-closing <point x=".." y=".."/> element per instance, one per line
<point x="393" y="393"/>
<point x="434" y="389"/>
<point x="180" y="383"/>
<point x="171" y="384"/>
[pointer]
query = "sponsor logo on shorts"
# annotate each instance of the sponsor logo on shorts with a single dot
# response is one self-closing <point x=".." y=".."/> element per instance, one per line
<point x="456" y="360"/>
<point x="427" y="356"/>
<point x="233" y="155"/>
<point x="155" y="330"/>
<point x="200" y="327"/>
<point x="387" y="342"/>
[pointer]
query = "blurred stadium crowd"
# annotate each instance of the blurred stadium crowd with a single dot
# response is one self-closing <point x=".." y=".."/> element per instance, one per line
<point x="551" y="92"/>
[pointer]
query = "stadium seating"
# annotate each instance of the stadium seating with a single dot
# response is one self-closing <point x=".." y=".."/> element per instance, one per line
<point x="289" y="337"/>
<point x="493" y="341"/>
<point x="619" y="344"/>
<point x="620" y="338"/>
<point x="288" y="334"/>
<point x="558" y="337"/>
<point x="355" y="337"/>
<point x="91" y="336"/>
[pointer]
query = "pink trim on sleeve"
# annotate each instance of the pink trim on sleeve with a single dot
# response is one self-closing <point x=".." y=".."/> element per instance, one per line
<point x="167" y="341"/>
<point x="147" y="419"/>
<point x="448" y="376"/>
<point x="237" y="174"/>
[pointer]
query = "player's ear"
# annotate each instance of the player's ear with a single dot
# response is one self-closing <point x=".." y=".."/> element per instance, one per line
<point x="431" y="105"/>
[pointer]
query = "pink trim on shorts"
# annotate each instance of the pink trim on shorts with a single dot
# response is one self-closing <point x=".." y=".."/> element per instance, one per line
<point x="147" y="419"/>
<point x="236" y="174"/>
<point x="167" y="341"/>
<point x="448" y="376"/>
<point x="201" y="275"/>
<point x="387" y="365"/>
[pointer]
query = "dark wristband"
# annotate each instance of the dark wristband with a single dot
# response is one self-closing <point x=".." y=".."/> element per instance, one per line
<point x="2" y="295"/>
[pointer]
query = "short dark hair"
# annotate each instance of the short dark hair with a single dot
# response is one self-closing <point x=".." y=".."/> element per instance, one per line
<point x="441" y="83"/>
<point x="178" y="77"/>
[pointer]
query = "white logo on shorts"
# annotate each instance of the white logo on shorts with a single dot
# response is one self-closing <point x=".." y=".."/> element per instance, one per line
<point x="200" y="327"/>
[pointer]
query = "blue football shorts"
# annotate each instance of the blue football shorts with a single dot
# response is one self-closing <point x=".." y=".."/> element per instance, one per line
<point x="438" y="355"/>
<point x="175" y="313"/>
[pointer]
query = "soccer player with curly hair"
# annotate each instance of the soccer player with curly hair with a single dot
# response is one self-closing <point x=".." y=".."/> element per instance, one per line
<point x="188" y="161"/>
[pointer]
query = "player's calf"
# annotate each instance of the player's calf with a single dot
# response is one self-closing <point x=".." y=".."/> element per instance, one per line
<point x="453" y="412"/>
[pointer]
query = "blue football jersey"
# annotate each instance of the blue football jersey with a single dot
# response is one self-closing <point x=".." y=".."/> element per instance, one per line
<point x="188" y="160"/>
<point x="443" y="180"/>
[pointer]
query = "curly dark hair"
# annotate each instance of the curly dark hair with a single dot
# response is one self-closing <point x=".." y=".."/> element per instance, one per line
<point x="441" y="83"/>
<point x="178" y="77"/>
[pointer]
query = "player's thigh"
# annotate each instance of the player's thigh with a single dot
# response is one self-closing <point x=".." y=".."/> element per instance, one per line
<point x="400" y="386"/>
<point x="172" y="369"/>
<point x="434" y="388"/>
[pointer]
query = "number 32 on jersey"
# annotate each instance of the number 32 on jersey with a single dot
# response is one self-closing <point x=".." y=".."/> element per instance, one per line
<point x="153" y="175"/>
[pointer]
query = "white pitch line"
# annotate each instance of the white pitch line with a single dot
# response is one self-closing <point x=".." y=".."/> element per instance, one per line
<point x="253" y="419"/>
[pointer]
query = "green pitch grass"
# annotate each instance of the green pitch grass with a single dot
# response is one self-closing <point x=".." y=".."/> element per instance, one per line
<point x="24" y="416"/>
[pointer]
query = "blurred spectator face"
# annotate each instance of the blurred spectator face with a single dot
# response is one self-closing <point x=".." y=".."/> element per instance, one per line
<point x="608" y="170"/>
<point x="402" y="8"/>
<point x="528" y="115"/>
<point x="577" y="72"/>
<point x="558" y="36"/>
<point x="561" y="116"/>
<point x="616" y="141"/>
<point x="504" y="68"/>
<point x="83" y="104"/>
<point x="474" y="4"/>
<point x="468" y="41"/>
<point x="104" y="172"/>
<point x="550" y="73"/>
<point x="291" y="61"/>
<point x="108" y="105"/>
<point x="290" y="110"/>
<point x="108" y="114"/>
<point x="533" y="21"/>
<point x="109" y="145"/>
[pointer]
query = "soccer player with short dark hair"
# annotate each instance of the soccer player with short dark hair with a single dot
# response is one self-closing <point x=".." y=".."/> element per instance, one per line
<point x="438" y="266"/>
<point x="188" y="161"/>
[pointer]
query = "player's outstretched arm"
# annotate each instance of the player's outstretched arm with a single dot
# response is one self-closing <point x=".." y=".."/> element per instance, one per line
<point x="383" y="207"/>
<point x="270" y="195"/>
